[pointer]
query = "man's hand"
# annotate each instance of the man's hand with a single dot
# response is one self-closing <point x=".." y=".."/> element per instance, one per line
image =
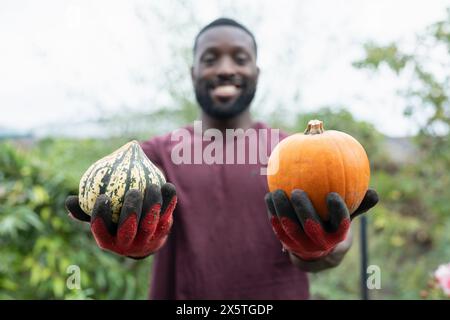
<point x="301" y="230"/>
<point x="143" y="223"/>
<point x="333" y="259"/>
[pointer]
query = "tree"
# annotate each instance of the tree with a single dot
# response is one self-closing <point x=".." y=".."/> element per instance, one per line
<point x="426" y="99"/>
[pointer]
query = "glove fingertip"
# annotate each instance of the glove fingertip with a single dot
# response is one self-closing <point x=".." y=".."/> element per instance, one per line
<point x="335" y="202"/>
<point x="304" y="208"/>
<point x="132" y="204"/>
<point x="369" y="201"/>
<point x="300" y="200"/>
<point x="132" y="195"/>
<point x="102" y="210"/>
<point x="169" y="206"/>
<point x="372" y="197"/>
<point x="152" y="195"/>
<point x="169" y="197"/>
<point x="337" y="210"/>
<point x="168" y="190"/>
<point x="73" y="207"/>
<point x="269" y="203"/>
<point x="283" y="206"/>
<point x="278" y="195"/>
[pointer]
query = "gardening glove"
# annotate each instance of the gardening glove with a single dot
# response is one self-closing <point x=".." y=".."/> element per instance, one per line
<point x="302" y="231"/>
<point x="143" y="225"/>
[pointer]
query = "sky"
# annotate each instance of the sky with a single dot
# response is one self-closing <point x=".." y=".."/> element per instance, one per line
<point x="64" y="62"/>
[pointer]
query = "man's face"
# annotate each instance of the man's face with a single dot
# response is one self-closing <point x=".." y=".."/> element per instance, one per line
<point x="224" y="72"/>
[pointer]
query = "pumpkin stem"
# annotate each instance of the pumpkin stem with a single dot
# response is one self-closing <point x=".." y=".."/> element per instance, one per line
<point x="314" y="127"/>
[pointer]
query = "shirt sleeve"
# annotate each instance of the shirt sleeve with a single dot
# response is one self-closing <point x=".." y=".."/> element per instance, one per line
<point x="152" y="149"/>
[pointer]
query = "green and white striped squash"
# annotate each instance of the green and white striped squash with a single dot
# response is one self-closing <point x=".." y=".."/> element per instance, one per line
<point x="126" y="168"/>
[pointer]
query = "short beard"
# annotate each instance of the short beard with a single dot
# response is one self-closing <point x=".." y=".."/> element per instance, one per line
<point x="240" y="105"/>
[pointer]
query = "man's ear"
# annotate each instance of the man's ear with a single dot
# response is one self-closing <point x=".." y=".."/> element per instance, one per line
<point x="192" y="74"/>
<point x="257" y="73"/>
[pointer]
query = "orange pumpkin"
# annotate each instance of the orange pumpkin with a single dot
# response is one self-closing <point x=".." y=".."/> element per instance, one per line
<point x="320" y="162"/>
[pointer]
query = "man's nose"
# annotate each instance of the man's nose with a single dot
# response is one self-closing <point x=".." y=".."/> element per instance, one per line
<point x="226" y="67"/>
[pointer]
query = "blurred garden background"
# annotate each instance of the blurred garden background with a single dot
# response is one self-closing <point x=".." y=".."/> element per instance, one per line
<point x="68" y="99"/>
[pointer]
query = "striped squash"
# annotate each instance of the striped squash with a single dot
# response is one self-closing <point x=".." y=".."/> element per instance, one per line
<point x="126" y="168"/>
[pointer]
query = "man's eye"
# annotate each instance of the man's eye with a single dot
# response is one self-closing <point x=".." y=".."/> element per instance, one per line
<point x="209" y="59"/>
<point x="241" y="59"/>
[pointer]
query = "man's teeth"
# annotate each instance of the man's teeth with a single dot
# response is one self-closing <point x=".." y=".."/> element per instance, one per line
<point x="225" y="90"/>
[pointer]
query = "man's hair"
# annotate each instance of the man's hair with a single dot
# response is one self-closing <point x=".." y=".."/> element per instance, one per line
<point x="225" y="22"/>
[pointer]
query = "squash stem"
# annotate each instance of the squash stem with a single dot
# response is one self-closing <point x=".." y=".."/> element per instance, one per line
<point x="314" y="127"/>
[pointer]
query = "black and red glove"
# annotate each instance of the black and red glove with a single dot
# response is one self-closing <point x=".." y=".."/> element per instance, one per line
<point x="302" y="231"/>
<point x="143" y="225"/>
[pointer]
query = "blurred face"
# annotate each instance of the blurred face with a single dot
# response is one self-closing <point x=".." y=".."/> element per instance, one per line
<point x="224" y="72"/>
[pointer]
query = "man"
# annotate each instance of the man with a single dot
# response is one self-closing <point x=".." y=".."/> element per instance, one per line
<point x="221" y="244"/>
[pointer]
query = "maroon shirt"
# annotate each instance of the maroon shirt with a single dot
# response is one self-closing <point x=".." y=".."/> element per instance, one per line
<point x="221" y="245"/>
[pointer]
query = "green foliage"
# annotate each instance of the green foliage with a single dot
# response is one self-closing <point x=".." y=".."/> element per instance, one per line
<point x="389" y="54"/>
<point x="427" y="94"/>
<point x="409" y="229"/>
<point x="427" y="97"/>
<point x="38" y="239"/>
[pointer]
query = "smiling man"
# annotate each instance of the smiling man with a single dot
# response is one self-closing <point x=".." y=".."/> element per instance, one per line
<point x="228" y="237"/>
<point x="224" y="72"/>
